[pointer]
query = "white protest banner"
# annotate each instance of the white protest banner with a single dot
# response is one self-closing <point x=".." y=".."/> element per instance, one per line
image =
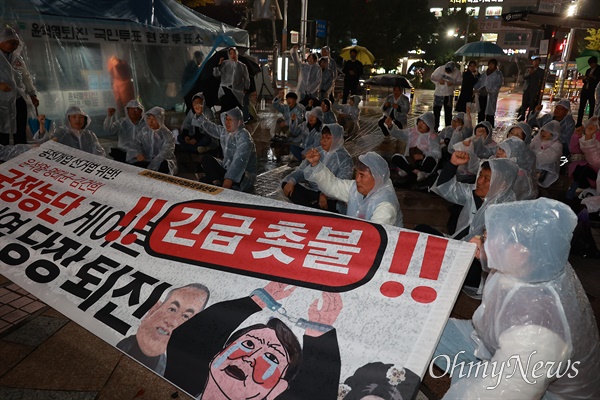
<point x="225" y="294"/>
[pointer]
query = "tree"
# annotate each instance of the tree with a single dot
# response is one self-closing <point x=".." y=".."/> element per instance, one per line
<point x="594" y="39"/>
<point x="442" y="46"/>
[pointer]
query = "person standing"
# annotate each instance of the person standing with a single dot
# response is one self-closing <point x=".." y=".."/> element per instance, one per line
<point x="590" y="81"/>
<point x="16" y="86"/>
<point x="469" y="79"/>
<point x="309" y="79"/>
<point x="234" y="78"/>
<point x="353" y="69"/>
<point x="326" y="52"/>
<point x="534" y="78"/>
<point x="446" y="78"/>
<point x="488" y="88"/>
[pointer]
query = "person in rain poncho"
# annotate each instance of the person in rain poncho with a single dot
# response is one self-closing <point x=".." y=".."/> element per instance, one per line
<point x="328" y="114"/>
<point x="309" y="81"/>
<point x="520" y="130"/>
<point x="548" y="150"/>
<point x="192" y="139"/>
<point x="348" y="114"/>
<point x="293" y="113"/>
<point x="422" y="151"/>
<point x="585" y="157"/>
<point x="336" y="159"/>
<point x="488" y="86"/>
<point x="237" y="170"/>
<point x="11" y="151"/>
<point x="370" y="196"/>
<point x="154" y="146"/>
<point x="16" y="88"/>
<point x="73" y="134"/>
<point x="562" y="114"/>
<point x="326" y="78"/>
<point x="535" y="326"/>
<point x="309" y="133"/>
<point x="526" y="186"/>
<point x="126" y="128"/>
<point x="234" y="77"/>
<point x="395" y="106"/>
<point x="479" y="146"/>
<point x="494" y="185"/>
<point x="326" y="52"/>
<point x="456" y="125"/>
<point x="447" y="78"/>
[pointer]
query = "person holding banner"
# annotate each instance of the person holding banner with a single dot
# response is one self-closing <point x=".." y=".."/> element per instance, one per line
<point x="535" y="326"/>
<point x="149" y="344"/>
<point x="126" y="128"/>
<point x="371" y="195"/>
<point x="210" y="360"/>
<point x="237" y="170"/>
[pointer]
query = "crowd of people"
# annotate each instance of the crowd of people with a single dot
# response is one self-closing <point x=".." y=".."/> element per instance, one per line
<point x="461" y="163"/>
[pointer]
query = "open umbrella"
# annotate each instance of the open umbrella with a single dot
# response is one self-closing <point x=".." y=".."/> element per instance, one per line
<point x="364" y="55"/>
<point x="389" y="80"/>
<point x="480" y="49"/>
<point x="582" y="60"/>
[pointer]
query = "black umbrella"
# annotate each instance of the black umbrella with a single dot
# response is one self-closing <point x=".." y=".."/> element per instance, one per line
<point x="389" y="80"/>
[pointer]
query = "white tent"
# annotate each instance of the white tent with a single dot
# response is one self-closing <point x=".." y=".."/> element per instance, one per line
<point x="102" y="53"/>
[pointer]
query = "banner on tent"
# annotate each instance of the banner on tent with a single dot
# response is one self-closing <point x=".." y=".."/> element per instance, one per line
<point x="156" y="265"/>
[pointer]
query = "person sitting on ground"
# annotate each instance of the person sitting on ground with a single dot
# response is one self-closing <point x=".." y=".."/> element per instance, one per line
<point x="237" y="170"/>
<point x="526" y="185"/>
<point x="562" y="114"/>
<point x="462" y="132"/>
<point x="548" y="150"/>
<point x="395" y="106"/>
<point x="482" y="141"/>
<point x="328" y="115"/>
<point x="326" y="79"/>
<point x="456" y="125"/>
<point x="494" y="184"/>
<point x="309" y="134"/>
<point x="370" y="196"/>
<point x="192" y="139"/>
<point x="534" y="312"/>
<point x="292" y="111"/>
<point x="336" y="159"/>
<point x="348" y="114"/>
<point x="73" y="134"/>
<point x="422" y="151"/>
<point x="154" y="146"/>
<point x="125" y="128"/>
<point x="309" y="81"/>
<point x="585" y="157"/>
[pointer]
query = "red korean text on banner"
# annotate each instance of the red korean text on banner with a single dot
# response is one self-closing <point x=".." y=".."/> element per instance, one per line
<point x="307" y="249"/>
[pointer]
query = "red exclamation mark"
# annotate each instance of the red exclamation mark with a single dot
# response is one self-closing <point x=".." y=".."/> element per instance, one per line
<point x="430" y="268"/>
<point x="140" y="224"/>
<point x="407" y="241"/>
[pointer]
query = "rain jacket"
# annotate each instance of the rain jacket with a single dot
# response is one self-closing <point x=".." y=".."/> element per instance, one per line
<point x="548" y="153"/>
<point x="337" y="160"/>
<point x="399" y="114"/>
<point x="351" y="110"/>
<point x="14" y="73"/>
<point x="239" y="152"/>
<point x="156" y="145"/>
<point x="479" y="148"/>
<point x="84" y="140"/>
<point x="462" y="133"/>
<point x="329" y="116"/>
<point x="428" y="142"/>
<point x="380" y="205"/>
<point x="440" y="73"/>
<point x="309" y="81"/>
<point x="591" y="149"/>
<point x="310" y="136"/>
<point x="280" y="105"/>
<point x="567" y="124"/>
<point x="533" y="308"/>
<point x="526" y="185"/>
<point x="124" y="128"/>
<point x="492" y="84"/>
<point x="504" y="174"/>
<point x="326" y="80"/>
<point x="234" y="75"/>
<point x="11" y="151"/>
<point x="332" y="65"/>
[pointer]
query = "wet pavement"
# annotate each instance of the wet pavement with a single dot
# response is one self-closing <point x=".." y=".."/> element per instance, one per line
<point x="46" y="356"/>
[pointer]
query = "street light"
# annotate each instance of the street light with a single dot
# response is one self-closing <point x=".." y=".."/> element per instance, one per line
<point x="571" y="11"/>
<point x="450" y="32"/>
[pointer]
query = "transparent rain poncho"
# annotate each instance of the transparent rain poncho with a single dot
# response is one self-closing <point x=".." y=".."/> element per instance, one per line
<point x="309" y="135"/>
<point x="567" y="124"/>
<point x="427" y="142"/>
<point x="526" y="186"/>
<point x="337" y="160"/>
<point x="192" y="120"/>
<point x="239" y="151"/>
<point x="548" y="153"/>
<point x="156" y="145"/>
<point x="309" y="80"/>
<point x="11" y="151"/>
<point x="534" y="308"/>
<point x="124" y="128"/>
<point x="350" y="109"/>
<point x="479" y="148"/>
<point x="504" y="174"/>
<point x="234" y="75"/>
<point x="380" y="205"/>
<point x="83" y="139"/>
<point x="399" y="114"/>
